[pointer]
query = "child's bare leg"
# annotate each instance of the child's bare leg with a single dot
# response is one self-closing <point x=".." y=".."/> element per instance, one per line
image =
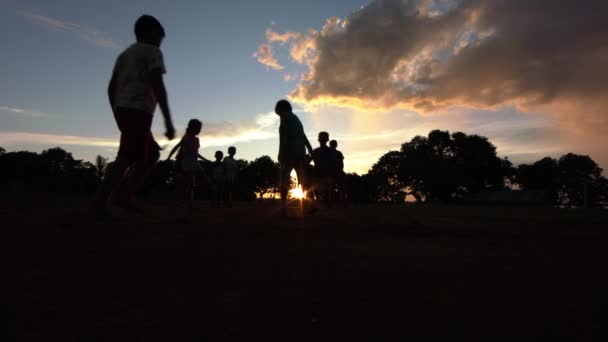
<point x="110" y="182"/>
<point x="133" y="180"/>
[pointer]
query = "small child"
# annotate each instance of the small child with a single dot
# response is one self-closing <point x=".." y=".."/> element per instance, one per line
<point x="187" y="165"/>
<point x="230" y="174"/>
<point x="217" y="179"/>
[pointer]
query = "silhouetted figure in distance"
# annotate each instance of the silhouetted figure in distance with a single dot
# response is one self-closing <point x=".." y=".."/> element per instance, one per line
<point x="292" y="148"/>
<point x="187" y="165"/>
<point x="324" y="170"/>
<point x="339" y="171"/>
<point x="230" y="174"/>
<point x="135" y="88"/>
<point x="217" y="179"/>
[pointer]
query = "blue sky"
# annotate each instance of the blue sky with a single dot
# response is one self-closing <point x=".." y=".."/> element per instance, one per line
<point x="58" y="55"/>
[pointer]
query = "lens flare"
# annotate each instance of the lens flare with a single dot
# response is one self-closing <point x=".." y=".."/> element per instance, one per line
<point x="297" y="193"/>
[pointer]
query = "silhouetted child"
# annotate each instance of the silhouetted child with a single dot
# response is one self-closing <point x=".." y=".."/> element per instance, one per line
<point x="339" y="171"/>
<point x="135" y="88"/>
<point x="187" y="165"/>
<point x="293" y="145"/>
<point x="230" y="175"/>
<point x="324" y="169"/>
<point x="307" y="179"/>
<point x="217" y="179"/>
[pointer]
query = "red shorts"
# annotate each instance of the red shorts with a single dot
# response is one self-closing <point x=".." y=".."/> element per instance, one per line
<point x="136" y="140"/>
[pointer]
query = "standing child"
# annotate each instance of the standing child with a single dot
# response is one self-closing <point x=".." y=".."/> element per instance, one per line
<point x="187" y="165"/>
<point x="217" y="179"/>
<point x="134" y="90"/>
<point x="339" y="176"/>
<point x="324" y="169"/>
<point x="230" y="174"/>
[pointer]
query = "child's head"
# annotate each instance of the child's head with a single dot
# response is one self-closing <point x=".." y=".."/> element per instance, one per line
<point x="283" y="107"/>
<point x="323" y="138"/>
<point x="219" y="155"/>
<point x="149" y="30"/>
<point x="231" y="151"/>
<point x="333" y="144"/>
<point x="194" y="127"/>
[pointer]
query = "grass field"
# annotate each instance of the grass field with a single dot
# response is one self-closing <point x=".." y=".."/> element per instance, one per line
<point x="350" y="273"/>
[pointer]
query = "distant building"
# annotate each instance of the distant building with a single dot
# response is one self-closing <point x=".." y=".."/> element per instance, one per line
<point x="512" y="197"/>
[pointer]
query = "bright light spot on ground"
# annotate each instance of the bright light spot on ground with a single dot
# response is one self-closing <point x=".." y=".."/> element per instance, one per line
<point x="297" y="192"/>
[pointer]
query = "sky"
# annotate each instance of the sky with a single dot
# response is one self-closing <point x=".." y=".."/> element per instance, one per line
<point x="530" y="76"/>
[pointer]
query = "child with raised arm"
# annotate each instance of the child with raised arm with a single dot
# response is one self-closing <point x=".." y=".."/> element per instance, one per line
<point x="187" y="165"/>
<point x="230" y="173"/>
<point x="134" y="90"/>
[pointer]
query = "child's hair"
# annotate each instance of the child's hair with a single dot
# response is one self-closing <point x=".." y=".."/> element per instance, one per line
<point x="323" y="136"/>
<point x="231" y="150"/>
<point x="283" y="106"/>
<point x="148" y="28"/>
<point x="219" y="154"/>
<point x="194" y="126"/>
<point x="333" y="144"/>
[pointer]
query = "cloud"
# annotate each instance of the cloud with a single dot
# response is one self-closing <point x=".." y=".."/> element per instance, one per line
<point x="425" y="55"/>
<point x="264" y="56"/>
<point x="25" y="138"/>
<point x="27" y="113"/>
<point x="264" y="126"/>
<point x="89" y="34"/>
<point x="273" y="36"/>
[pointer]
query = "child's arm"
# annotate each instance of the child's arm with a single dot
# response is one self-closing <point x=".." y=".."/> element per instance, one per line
<point x="204" y="159"/>
<point x="308" y="145"/>
<point x="156" y="76"/>
<point x="179" y="144"/>
<point x="111" y="91"/>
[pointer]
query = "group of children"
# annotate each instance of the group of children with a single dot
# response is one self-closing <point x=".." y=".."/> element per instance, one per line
<point x="324" y="180"/>
<point x="223" y="170"/>
<point x="135" y="90"/>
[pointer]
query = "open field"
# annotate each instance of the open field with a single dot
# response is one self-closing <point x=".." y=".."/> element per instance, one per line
<point x="351" y="273"/>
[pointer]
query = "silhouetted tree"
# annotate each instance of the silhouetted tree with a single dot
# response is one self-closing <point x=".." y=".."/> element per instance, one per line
<point x="542" y="175"/>
<point x="575" y="173"/>
<point x="444" y="167"/>
<point x="262" y="175"/>
<point x="22" y="170"/>
<point x="564" y="180"/>
<point x="384" y="181"/>
<point x="2" y="151"/>
<point x="101" y="165"/>
<point x="359" y="189"/>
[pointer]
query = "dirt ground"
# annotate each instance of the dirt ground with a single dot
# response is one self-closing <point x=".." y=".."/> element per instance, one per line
<point x="350" y="273"/>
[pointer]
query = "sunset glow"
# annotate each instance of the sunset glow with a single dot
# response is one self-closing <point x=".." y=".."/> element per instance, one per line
<point x="297" y="193"/>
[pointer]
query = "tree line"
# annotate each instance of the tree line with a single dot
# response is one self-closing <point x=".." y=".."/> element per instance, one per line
<point x="441" y="167"/>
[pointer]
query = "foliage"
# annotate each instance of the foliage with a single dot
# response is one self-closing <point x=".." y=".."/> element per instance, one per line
<point x="440" y="167"/>
<point x="261" y="176"/>
<point x="567" y="181"/>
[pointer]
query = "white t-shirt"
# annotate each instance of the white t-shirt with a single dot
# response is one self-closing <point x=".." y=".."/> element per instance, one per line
<point x="131" y="76"/>
<point x="189" y="153"/>
<point x="230" y="168"/>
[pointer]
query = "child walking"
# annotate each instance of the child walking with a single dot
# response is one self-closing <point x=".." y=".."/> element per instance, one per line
<point x="187" y="165"/>
<point x="135" y="88"/>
